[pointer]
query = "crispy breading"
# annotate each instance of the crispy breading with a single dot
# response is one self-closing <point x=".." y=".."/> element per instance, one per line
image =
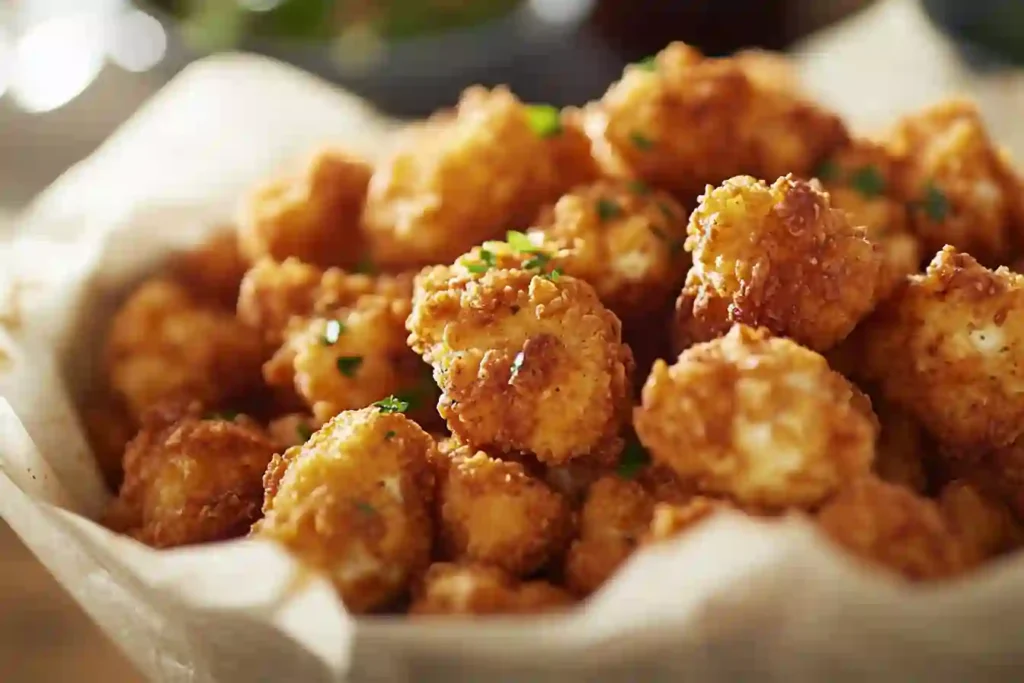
<point x="212" y="272"/>
<point x="757" y="418"/>
<point x="984" y="524"/>
<point x="163" y="344"/>
<point x="354" y="502"/>
<point x="670" y="520"/>
<point x="312" y="214"/>
<point x="685" y="121"/>
<point x="481" y="589"/>
<point x="525" y="362"/>
<point x="293" y="429"/>
<point x="191" y="479"/>
<point x="894" y="528"/>
<point x="778" y="257"/>
<point x="949" y="348"/>
<point x="493" y="512"/>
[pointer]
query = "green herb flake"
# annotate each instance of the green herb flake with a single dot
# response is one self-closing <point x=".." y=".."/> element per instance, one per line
<point x="365" y="266"/>
<point x="554" y="275"/>
<point x="648" y="63"/>
<point x="305" y="432"/>
<point x="537" y="262"/>
<point x="634" y="458"/>
<point x="349" y="365"/>
<point x="827" y="171"/>
<point x="391" y="433"/>
<point x="333" y="330"/>
<point x="607" y="209"/>
<point x="935" y="204"/>
<point x="639" y="187"/>
<point x="520" y="241"/>
<point x="391" y="405"/>
<point x="868" y="181"/>
<point x="544" y="120"/>
<point x="517" y="365"/>
<point x="365" y="508"/>
<point x="487" y="261"/>
<point x="641" y="141"/>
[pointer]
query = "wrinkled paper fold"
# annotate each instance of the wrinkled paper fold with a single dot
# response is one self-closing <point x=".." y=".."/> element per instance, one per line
<point x="737" y="599"/>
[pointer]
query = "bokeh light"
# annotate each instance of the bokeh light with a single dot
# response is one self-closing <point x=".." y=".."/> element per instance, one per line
<point x="138" y="42"/>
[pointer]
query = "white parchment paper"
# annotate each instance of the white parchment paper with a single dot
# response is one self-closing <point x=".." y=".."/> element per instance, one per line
<point x="735" y="600"/>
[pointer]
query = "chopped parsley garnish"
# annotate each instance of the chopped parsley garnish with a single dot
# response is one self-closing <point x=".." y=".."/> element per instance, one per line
<point x="305" y="432"/>
<point x="365" y="266"/>
<point x="227" y="415"/>
<point x="634" y="458"/>
<point x="391" y="433"/>
<point x="641" y="141"/>
<point x="868" y="181"/>
<point x="935" y="204"/>
<point x="333" y="330"/>
<point x="365" y="508"/>
<point x="544" y="120"/>
<point x="639" y="187"/>
<point x="537" y="261"/>
<point x="607" y="209"/>
<point x="517" y="365"/>
<point x="520" y="241"/>
<point x="648" y="63"/>
<point x="827" y="171"/>
<point x="349" y="365"/>
<point x="554" y="275"/>
<point x="487" y="261"/>
<point x="391" y="405"/>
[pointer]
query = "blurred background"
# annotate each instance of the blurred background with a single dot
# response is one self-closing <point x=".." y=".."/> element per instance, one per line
<point x="72" y="70"/>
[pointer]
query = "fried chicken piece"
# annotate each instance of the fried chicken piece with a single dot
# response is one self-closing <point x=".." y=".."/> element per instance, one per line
<point x="901" y="449"/>
<point x="108" y="428"/>
<point x="312" y="215"/>
<point x="463" y="177"/>
<point x="213" y="271"/>
<point x="757" y="418"/>
<point x="274" y="294"/>
<point x="769" y="70"/>
<point x="525" y="362"/>
<point x="861" y="179"/>
<point x="354" y="502"/>
<point x="191" y="480"/>
<point x="685" y="121"/>
<point x="616" y="514"/>
<point x="293" y="429"/>
<point x="947" y="347"/>
<point x="493" y="512"/>
<point x="348" y="361"/>
<point x="625" y="239"/>
<point x="892" y="527"/>
<point x="480" y="589"/>
<point x="777" y="257"/>
<point x="984" y="524"/>
<point x="163" y="344"/>
<point x="670" y="520"/>
<point x="959" y="186"/>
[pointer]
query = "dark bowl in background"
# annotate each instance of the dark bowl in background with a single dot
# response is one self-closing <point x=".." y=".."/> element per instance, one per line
<point x="989" y="34"/>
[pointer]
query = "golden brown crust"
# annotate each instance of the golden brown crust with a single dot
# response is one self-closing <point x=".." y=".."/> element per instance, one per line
<point x="947" y="348"/>
<point x="625" y="239"/>
<point x="670" y="520"/>
<point x="493" y="512"/>
<point x="191" y="480"/>
<point x="162" y="344"/>
<point x="212" y="272"/>
<point x="312" y="215"/>
<point x="525" y="362"/>
<point x="354" y="502"/>
<point x="777" y="257"/>
<point x="690" y="121"/>
<point x="756" y="418"/>
<point x="480" y="589"/>
<point x="890" y="526"/>
<point x="983" y="523"/>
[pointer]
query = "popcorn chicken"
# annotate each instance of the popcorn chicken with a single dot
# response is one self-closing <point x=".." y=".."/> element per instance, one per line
<point x="493" y="512"/>
<point x="293" y="429"/>
<point x="670" y="520"/>
<point x="683" y="121"/>
<point x="959" y="186"/>
<point x="464" y="177"/>
<point x="162" y="344"/>
<point x="191" y="480"/>
<point x="625" y="239"/>
<point x="213" y="271"/>
<point x="480" y="589"/>
<point x="525" y="362"/>
<point x="893" y="528"/>
<point x="354" y="502"/>
<point x="948" y="348"/>
<point x="984" y="524"/>
<point x="778" y="257"/>
<point x="616" y="514"/>
<point x="312" y="215"/>
<point x="756" y="418"/>
<point x="901" y="449"/>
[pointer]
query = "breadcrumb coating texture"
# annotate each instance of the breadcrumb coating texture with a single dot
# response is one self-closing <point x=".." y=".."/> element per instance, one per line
<point x="525" y="362"/>
<point x="493" y="512"/>
<point x="670" y="520"/>
<point x="778" y="257"/>
<point x="212" y="272"/>
<point x="312" y="215"/>
<point x="690" y="121"/>
<point x="756" y="418"/>
<point x="949" y="348"/>
<point x="625" y="239"/>
<point x="466" y="176"/>
<point x="960" y="188"/>
<point x="162" y="344"/>
<point x="456" y="589"/>
<point x="191" y="480"/>
<point x="354" y="502"/>
<point x="891" y="527"/>
<point x="983" y="523"/>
